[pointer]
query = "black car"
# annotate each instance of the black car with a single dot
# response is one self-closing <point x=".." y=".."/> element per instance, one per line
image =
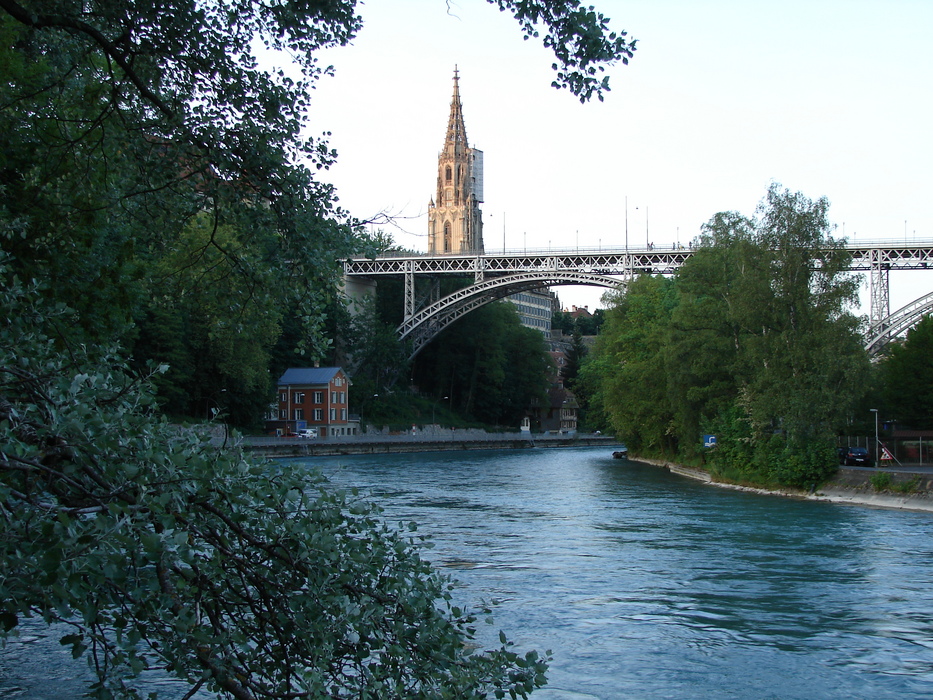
<point x="856" y="457"/>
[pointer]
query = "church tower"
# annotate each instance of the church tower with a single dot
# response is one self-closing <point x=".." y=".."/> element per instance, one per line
<point x="455" y="222"/>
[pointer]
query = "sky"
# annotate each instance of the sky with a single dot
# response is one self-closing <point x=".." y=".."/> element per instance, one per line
<point x="831" y="98"/>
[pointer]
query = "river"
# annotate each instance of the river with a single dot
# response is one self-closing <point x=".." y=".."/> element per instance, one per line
<point x="649" y="585"/>
<point x="645" y="584"/>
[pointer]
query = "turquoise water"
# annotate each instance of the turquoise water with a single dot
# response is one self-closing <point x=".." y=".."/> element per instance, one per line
<point x="642" y="583"/>
<point x="648" y="585"/>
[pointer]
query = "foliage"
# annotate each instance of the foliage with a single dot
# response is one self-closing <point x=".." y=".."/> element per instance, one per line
<point x="490" y="366"/>
<point x="161" y="551"/>
<point x="144" y="159"/>
<point x="880" y="481"/>
<point x="627" y="365"/>
<point x="566" y="323"/>
<point x="752" y="342"/>
<point x="580" y="38"/>
<point x="574" y="356"/>
<point x="156" y="178"/>
<point x="907" y="373"/>
<point x="378" y="357"/>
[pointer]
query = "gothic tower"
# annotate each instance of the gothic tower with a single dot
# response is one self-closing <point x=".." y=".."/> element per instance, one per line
<point x="455" y="222"/>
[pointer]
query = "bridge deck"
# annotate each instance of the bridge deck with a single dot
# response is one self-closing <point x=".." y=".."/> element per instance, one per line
<point x="609" y="261"/>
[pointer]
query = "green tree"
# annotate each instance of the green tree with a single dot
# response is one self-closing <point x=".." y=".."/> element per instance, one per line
<point x="628" y="366"/>
<point x="574" y="359"/>
<point x="753" y="341"/>
<point x="490" y="366"/>
<point x="159" y="550"/>
<point x="146" y="150"/>
<point x="907" y="378"/>
<point x="378" y="358"/>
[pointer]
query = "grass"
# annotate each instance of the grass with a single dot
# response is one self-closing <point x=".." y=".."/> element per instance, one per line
<point x="882" y="481"/>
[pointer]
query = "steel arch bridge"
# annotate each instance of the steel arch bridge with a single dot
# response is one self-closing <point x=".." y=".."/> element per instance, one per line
<point x="898" y="322"/>
<point x="497" y="275"/>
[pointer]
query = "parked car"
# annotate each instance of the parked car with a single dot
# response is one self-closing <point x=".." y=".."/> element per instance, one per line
<point x="308" y="433"/>
<point x="856" y="457"/>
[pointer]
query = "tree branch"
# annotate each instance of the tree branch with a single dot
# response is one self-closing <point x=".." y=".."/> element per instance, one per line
<point x="43" y="21"/>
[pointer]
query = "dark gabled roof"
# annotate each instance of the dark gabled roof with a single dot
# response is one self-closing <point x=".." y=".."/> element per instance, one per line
<point x="309" y="376"/>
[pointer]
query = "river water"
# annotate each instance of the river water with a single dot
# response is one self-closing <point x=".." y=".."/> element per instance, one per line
<point x="645" y="584"/>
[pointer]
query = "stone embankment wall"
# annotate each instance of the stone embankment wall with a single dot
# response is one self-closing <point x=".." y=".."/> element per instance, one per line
<point x="848" y="486"/>
<point x="855" y="486"/>
<point x="471" y="440"/>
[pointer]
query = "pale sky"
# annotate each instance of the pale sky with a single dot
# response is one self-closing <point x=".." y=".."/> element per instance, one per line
<point x="830" y="98"/>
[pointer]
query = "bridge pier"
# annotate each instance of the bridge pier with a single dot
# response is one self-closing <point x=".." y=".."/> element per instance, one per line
<point x="880" y="285"/>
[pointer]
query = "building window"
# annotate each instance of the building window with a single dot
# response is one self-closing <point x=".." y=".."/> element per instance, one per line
<point x="299" y="414"/>
<point x="283" y="414"/>
<point x="343" y="397"/>
<point x="299" y="397"/>
<point x="343" y="414"/>
<point x="318" y="397"/>
<point x="318" y="414"/>
<point x="333" y="397"/>
<point x="284" y="397"/>
<point x="333" y="414"/>
<point x="448" y="174"/>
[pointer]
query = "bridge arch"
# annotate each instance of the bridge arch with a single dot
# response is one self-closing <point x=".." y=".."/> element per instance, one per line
<point x="424" y="325"/>
<point x="881" y="333"/>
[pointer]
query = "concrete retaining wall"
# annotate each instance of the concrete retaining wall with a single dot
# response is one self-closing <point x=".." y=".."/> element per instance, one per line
<point x="320" y="448"/>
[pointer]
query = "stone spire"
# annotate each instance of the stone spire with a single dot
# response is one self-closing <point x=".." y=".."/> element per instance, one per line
<point x="456" y="140"/>
<point x="455" y="222"/>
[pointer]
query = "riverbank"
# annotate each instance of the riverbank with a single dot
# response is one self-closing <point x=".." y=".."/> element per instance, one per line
<point x="418" y="442"/>
<point x="850" y="485"/>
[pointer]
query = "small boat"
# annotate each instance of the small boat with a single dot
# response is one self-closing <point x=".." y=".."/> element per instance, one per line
<point x="621" y="454"/>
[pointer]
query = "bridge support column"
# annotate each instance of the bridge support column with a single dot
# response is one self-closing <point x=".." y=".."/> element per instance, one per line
<point x="880" y="285"/>
<point x="409" y="289"/>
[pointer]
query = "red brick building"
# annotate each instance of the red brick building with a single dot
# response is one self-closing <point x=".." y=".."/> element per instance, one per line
<point x="312" y="397"/>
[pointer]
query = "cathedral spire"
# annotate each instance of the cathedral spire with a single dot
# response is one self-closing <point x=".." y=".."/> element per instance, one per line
<point x="455" y="222"/>
<point x="456" y="131"/>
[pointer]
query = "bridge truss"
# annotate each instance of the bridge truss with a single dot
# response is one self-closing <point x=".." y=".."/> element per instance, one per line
<point x="496" y="276"/>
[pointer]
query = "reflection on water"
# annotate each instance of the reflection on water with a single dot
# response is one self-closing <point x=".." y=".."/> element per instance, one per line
<point x="648" y="585"/>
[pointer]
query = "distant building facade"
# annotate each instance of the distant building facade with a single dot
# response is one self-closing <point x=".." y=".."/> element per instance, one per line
<point x="535" y="308"/>
<point x="455" y="221"/>
<point x="312" y="397"/>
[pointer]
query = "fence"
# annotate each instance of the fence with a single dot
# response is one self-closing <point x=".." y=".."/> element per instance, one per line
<point x="904" y="450"/>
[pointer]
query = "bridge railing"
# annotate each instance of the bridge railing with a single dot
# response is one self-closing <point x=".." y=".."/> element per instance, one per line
<point x="633" y="247"/>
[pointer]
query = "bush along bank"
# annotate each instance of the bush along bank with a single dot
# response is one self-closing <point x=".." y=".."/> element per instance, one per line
<point x="880" y="488"/>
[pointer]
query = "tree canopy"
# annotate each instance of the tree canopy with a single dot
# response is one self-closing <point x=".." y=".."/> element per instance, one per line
<point x="907" y="373"/>
<point x="752" y="341"/>
<point x="163" y="224"/>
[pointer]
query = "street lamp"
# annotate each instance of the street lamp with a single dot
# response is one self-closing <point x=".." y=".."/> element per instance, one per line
<point x="877" y="455"/>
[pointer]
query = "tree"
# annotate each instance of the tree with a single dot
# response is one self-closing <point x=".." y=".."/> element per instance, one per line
<point x="907" y="378"/>
<point x="146" y="150"/>
<point x="753" y="342"/>
<point x="490" y="366"/>
<point x="160" y="551"/>
<point x="627" y="365"/>
<point x="574" y="359"/>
